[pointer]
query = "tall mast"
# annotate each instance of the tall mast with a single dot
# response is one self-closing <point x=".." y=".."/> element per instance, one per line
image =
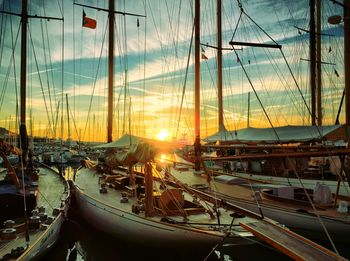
<point x="111" y="17"/>
<point x="23" y="84"/>
<point x="219" y="39"/>
<point x="318" y="64"/>
<point x="312" y="62"/>
<point x="197" y="84"/>
<point x="23" y="79"/>
<point x="110" y="70"/>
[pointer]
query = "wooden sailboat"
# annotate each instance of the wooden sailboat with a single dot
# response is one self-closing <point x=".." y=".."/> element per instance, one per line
<point x="34" y="201"/>
<point x="246" y="152"/>
<point x="264" y="150"/>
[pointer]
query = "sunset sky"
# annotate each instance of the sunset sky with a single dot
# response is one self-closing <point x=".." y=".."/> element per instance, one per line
<point x="151" y="61"/>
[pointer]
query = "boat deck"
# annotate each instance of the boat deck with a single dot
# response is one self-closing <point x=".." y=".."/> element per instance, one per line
<point x="53" y="193"/>
<point x="7" y="245"/>
<point x="51" y="190"/>
<point x="290" y="243"/>
<point x="246" y="193"/>
<point x="88" y="181"/>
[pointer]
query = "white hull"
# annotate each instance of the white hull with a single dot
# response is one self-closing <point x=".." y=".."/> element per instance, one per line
<point x="344" y="188"/>
<point x="104" y="212"/>
<point x="131" y="227"/>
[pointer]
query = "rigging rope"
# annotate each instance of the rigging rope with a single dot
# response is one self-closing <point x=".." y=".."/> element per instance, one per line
<point x="12" y="60"/>
<point x="40" y="81"/>
<point x="185" y="81"/>
<point x="95" y="81"/>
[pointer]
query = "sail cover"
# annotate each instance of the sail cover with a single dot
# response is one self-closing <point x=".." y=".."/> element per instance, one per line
<point x="128" y="140"/>
<point x="285" y="134"/>
<point x="136" y="153"/>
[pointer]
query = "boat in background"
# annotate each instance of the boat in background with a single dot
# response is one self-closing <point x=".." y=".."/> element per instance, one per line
<point x="293" y="155"/>
<point x="286" y="204"/>
<point x="299" y="157"/>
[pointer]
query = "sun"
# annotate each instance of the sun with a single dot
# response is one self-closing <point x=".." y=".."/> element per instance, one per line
<point x="163" y="134"/>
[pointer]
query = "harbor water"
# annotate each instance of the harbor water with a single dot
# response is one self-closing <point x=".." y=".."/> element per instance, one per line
<point x="79" y="241"/>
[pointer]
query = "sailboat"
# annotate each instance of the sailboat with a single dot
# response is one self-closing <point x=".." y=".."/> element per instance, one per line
<point x="34" y="201"/>
<point x="127" y="197"/>
<point x="251" y="154"/>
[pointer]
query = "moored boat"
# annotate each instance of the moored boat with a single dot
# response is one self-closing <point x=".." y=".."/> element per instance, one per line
<point x="300" y="217"/>
<point x="30" y="229"/>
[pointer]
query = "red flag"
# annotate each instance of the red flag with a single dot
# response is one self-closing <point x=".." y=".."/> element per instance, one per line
<point x="88" y="22"/>
<point x="204" y="57"/>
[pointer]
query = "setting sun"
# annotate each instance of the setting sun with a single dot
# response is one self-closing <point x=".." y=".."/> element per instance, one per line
<point x="163" y="134"/>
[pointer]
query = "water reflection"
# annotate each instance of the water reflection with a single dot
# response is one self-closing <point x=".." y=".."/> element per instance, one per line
<point x="79" y="241"/>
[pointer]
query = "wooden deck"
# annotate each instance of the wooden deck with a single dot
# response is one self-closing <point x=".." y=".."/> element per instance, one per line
<point x="290" y="243"/>
<point x="52" y="191"/>
<point x="234" y="192"/>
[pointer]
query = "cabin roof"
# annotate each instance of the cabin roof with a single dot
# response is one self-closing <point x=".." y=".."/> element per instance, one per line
<point x="285" y="134"/>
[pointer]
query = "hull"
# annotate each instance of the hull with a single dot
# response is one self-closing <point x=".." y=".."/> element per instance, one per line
<point x="43" y="244"/>
<point x="307" y="183"/>
<point x="130" y="227"/>
<point x="107" y="213"/>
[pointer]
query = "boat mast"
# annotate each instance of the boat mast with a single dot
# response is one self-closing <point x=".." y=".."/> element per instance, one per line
<point x="23" y="83"/>
<point x="318" y="63"/>
<point x="219" y="39"/>
<point x="111" y="17"/>
<point x="312" y="62"/>
<point x="197" y="149"/>
<point x="23" y="79"/>
<point x="110" y="69"/>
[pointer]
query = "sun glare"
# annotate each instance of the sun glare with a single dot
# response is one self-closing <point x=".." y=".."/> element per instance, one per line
<point x="163" y="134"/>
